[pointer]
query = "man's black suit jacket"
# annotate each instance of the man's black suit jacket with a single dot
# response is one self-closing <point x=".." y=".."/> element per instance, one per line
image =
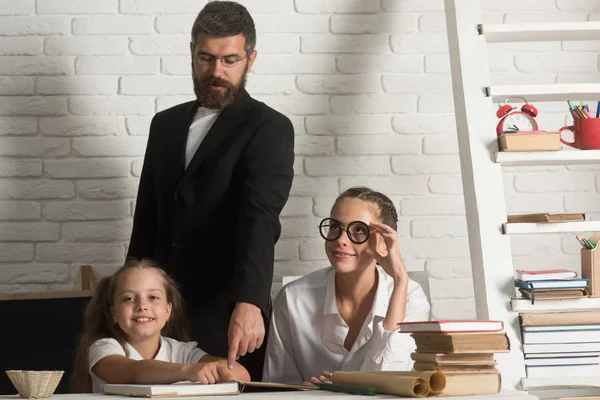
<point x="213" y="226"/>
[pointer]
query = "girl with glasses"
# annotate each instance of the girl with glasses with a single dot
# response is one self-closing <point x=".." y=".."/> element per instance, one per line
<point x="345" y="317"/>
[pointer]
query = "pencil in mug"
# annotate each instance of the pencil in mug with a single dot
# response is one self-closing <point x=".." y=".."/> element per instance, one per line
<point x="582" y="242"/>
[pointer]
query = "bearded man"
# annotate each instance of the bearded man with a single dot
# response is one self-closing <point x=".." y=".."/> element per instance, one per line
<point x="217" y="172"/>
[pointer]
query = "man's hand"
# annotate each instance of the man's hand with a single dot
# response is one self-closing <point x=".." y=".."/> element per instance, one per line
<point x="246" y="331"/>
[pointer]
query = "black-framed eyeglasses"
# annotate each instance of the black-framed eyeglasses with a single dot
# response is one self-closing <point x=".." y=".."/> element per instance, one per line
<point x="357" y="231"/>
<point x="226" y="61"/>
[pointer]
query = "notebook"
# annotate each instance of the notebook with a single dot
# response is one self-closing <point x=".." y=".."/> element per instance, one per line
<point x="547" y="274"/>
<point x="552" y="284"/>
<point x="173" y="390"/>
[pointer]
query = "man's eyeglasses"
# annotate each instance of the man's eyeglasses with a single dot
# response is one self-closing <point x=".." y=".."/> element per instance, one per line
<point x="357" y="231"/>
<point x="226" y="61"/>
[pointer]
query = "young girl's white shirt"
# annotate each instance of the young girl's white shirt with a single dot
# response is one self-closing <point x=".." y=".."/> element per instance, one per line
<point x="170" y="350"/>
<point x="307" y="333"/>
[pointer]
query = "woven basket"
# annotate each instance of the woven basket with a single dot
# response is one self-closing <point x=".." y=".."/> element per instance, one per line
<point x="35" y="384"/>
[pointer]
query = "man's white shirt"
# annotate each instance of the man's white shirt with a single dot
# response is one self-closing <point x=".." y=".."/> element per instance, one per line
<point x="203" y="120"/>
<point x="307" y="333"/>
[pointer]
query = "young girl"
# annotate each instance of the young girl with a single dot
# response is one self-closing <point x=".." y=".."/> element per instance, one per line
<point x="123" y="342"/>
<point x="345" y="317"/>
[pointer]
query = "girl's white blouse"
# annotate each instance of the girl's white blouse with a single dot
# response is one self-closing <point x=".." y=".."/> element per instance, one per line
<point x="307" y="333"/>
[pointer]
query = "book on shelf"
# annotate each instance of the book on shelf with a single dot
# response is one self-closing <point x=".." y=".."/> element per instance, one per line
<point x="562" y="371"/>
<point x="547" y="274"/>
<point x="560" y="318"/>
<point x="540" y="348"/>
<point x="452" y="326"/>
<point x="552" y="294"/>
<point x="583" y="337"/>
<point x="492" y="342"/>
<point x="422" y="366"/>
<point x="580" y="283"/>
<point x="172" y="390"/>
<point x="555" y="328"/>
<point x="545" y="218"/>
<point x="563" y="355"/>
<point x="452" y="358"/>
<point x="562" y="361"/>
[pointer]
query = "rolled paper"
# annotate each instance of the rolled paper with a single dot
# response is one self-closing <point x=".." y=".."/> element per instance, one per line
<point x="388" y="382"/>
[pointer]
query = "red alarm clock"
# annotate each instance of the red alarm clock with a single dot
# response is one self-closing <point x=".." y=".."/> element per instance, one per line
<point x="516" y="121"/>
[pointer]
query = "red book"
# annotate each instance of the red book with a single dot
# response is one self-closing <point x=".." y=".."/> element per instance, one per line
<point x="547" y="274"/>
<point x="452" y="325"/>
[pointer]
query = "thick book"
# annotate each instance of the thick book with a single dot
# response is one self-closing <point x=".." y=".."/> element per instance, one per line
<point x="546" y="217"/>
<point x="561" y="318"/>
<point x="561" y="337"/>
<point x="538" y="348"/>
<point x="422" y="366"/>
<point x="527" y="275"/>
<point x="492" y="342"/>
<point x="562" y="361"/>
<point x="452" y="326"/>
<point x="467" y="384"/>
<point x="556" y="328"/>
<point x="533" y="356"/>
<point x="454" y="359"/>
<point x="173" y="390"/>
<point x="552" y="284"/>
<point x="553" y="294"/>
<point x="562" y="371"/>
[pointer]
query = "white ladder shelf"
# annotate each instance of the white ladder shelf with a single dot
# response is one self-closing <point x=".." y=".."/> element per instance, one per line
<point x="481" y="163"/>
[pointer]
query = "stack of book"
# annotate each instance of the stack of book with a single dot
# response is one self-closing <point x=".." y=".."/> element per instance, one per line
<point x="550" y="284"/>
<point x="561" y="345"/>
<point x="462" y="349"/>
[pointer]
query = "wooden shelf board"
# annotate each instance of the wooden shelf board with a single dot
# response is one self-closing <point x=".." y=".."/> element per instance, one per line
<point x="46" y="295"/>
<point x="551" y="92"/>
<point x="540" y="32"/>
<point x="553" y="227"/>
<point x="524" y="305"/>
<point x="534" y="158"/>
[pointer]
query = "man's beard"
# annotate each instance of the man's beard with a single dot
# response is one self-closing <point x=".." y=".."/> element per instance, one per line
<point x="211" y="98"/>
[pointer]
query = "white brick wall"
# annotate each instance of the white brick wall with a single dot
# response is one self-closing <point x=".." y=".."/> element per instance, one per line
<point x="366" y="84"/>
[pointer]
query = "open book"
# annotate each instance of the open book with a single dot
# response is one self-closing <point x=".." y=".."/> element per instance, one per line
<point x="195" y="389"/>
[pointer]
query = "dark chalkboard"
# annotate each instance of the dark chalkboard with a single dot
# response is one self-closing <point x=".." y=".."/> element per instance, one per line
<point x="38" y="331"/>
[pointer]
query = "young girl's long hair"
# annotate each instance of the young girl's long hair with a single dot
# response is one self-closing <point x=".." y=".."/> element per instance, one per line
<point x="98" y="322"/>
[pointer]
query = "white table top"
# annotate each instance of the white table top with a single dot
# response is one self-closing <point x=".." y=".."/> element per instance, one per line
<point x="292" y="395"/>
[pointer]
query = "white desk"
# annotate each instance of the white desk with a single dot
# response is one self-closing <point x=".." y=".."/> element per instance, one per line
<point x="296" y="395"/>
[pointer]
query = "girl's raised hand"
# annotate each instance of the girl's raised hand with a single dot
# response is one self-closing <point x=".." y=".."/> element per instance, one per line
<point x="390" y="258"/>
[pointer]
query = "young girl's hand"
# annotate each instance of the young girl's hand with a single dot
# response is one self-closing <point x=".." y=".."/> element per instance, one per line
<point x="325" y="378"/>
<point x="389" y="258"/>
<point x="210" y="372"/>
<point x="212" y="369"/>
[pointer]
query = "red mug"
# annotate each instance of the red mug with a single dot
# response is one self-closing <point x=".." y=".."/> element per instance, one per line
<point x="586" y="133"/>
